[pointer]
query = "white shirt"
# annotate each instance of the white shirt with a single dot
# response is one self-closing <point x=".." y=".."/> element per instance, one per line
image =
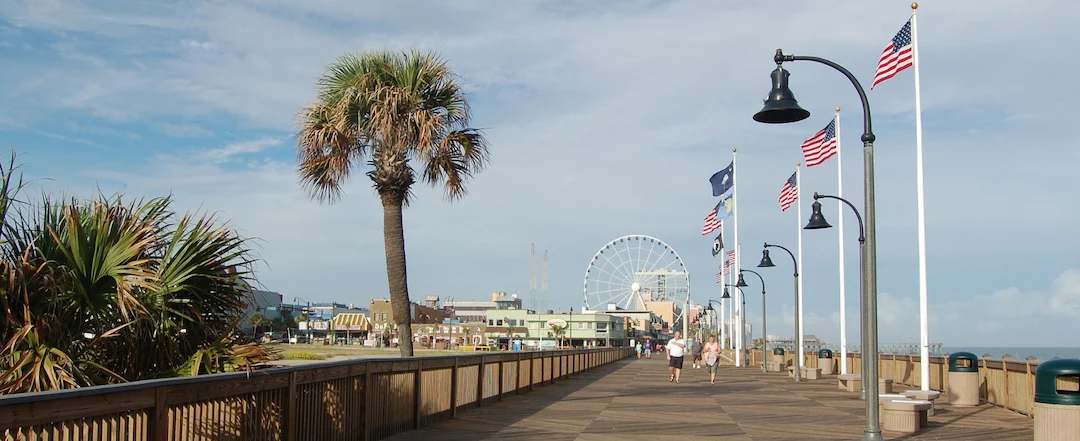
<point x="676" y="351"/>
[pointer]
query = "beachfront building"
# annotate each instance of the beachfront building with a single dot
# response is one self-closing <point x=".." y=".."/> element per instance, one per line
<point x="507" y="328"/>
<point x="475" y="311"/>
<point x="315" y="319"/>
<point x="265" y="303"/>
<point x="384" y="329"/>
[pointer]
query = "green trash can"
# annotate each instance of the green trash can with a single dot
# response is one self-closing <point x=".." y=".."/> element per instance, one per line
<point x="1057" y="400"/>
<point x="826" y="362"/>
<point x="963" y="379"/>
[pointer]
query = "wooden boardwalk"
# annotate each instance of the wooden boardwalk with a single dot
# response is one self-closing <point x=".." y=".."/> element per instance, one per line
<point x="633" y="400"/>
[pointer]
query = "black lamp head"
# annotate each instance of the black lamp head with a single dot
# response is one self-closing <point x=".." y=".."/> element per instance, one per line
<point x="766" y="261"/>
<point x="781" y="107"/>
<point x="817" y="220"/>
<point x="741" y="283"/>
<point x="726" y="295"/>
<point x="709" y="308"/>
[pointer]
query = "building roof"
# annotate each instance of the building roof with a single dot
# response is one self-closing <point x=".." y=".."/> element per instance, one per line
<point x="352" y="322"/>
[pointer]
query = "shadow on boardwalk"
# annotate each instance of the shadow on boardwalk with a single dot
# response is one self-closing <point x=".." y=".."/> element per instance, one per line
<point x="633" y="400"/>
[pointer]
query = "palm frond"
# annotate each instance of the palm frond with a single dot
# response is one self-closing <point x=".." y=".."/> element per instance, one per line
<point x="458" y="156"/>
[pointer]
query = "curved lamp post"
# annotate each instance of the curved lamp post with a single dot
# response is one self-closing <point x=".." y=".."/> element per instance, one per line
<point x="781" y="107"/>
<point x="718" y="302"/>
<point x="817" y="222"/>
<point x="764" y="334"/>
<point x="766" y="262"/>
<point x="742" y="313"/>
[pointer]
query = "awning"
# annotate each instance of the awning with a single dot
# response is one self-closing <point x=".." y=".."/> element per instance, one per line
<point x="351" y="322"/>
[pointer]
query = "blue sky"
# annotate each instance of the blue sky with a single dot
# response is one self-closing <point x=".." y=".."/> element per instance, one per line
<point x="604" y="120"/>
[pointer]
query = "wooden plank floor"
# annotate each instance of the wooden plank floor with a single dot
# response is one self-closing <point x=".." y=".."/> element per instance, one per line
<point x="633" y="400"/>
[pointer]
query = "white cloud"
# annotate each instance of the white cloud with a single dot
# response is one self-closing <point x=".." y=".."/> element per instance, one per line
<point x="228" y="152"/>
<point x="605" y="120"/>
<point x="183" y="130"/>
<point x="1009" y="317"/>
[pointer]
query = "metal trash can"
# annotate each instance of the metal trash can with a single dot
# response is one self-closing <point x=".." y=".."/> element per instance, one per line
<point x="826" y="362"/>
<point x="1057" y="400"/>
<point x="776" y="361"/>
<point x="963" y="379"/>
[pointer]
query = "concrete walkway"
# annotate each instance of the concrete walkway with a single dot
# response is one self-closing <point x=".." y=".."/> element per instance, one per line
<point x="633" y="400"/>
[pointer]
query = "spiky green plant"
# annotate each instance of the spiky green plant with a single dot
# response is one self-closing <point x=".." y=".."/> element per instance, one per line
<point x="103" y="290"/>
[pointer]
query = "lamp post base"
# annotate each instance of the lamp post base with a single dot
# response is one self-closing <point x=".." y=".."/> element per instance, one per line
<point x="871" y="436"/>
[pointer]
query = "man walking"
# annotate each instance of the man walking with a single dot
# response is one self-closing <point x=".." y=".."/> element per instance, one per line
<point x="676" y="348"/>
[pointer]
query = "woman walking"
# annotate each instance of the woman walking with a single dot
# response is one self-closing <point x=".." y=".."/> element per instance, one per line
<point x="711" y="356"/>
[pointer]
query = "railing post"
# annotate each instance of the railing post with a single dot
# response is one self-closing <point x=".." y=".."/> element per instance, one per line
<point x="1005" y="380"/>
<point x="480" y="376"/>
<point x="532" y="373"/>
<point x="454" y="387"/>
<point x="290" y="408"/>
<point x="159" y="419"/>
<point x="418" y="393"/>
<point x="369" y="384"/>
<point x="500" y="396"/>
<point x="517" y="376"/>
<point x="543" y="368"/>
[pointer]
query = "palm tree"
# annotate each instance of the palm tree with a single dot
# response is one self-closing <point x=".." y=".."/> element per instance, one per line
<point x="406" y="115"/>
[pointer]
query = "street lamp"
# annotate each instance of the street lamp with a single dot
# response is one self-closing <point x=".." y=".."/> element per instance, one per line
<point x="766" y="262"/>
<point x="718" y="302"/>
<point x="764" y="310"/>
<point x="781" y="107"/>
<point x="817" y="222"/>
<point x="742" y="312"/>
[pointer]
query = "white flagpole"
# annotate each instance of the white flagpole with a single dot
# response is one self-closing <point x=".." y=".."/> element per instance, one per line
<point x="730" y="310"/>
<point x="798" y="229"/>
<point x="840" y="238"/>
<point x="924" y="337"/>
<point x="735" y="294"/>
<point x="723" y="304"/>
<point x="742" y="304"/>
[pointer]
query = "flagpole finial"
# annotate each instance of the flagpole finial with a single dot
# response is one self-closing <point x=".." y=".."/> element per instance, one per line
<point x="734" y="150"/>
<point x="837" y="109"/>
<point x="914" y="6"/>
<point x="797" y="164"/>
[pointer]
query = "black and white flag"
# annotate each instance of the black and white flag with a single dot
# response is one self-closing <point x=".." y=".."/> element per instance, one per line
<point x="717" y="244"/>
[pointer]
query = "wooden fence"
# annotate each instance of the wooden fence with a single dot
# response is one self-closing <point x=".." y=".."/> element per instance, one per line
<point x="1005" y="383"/>
<point x="350" y="400"/>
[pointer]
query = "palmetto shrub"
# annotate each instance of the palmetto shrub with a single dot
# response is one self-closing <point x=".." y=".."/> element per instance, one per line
<point x="105" y="290"/>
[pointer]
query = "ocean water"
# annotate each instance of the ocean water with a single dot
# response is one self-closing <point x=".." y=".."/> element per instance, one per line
<point x="1018" y="353"/>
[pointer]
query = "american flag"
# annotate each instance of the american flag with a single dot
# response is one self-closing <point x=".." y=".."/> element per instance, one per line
<point x="711" y="222"/>
<point x="731" y="257"/>
<point x="789" y="194"/>
<point x="896" y="57"/>
<point x="727" y="268"/>
<point x="821" y="146"/>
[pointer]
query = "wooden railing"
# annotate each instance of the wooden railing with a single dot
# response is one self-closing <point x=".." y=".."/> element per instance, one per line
<point x="1005" y="383"/>
<point x="350" y="400"/>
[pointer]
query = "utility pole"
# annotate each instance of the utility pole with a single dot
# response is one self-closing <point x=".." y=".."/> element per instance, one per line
<point x="532" y="274"/>
<point x="544" y="283"/>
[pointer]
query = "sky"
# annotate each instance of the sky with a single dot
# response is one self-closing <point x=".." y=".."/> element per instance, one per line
<point x="605" y="119"/>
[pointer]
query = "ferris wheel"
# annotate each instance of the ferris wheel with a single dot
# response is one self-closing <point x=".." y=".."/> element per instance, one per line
<point x="632" y="270"/>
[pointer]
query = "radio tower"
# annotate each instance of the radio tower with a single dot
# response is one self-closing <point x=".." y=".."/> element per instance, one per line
<point x="532" y="274"/>
<point x="543" y="284"/>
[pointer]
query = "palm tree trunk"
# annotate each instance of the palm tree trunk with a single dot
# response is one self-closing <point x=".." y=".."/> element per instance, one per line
<point x="396" y="275"/>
